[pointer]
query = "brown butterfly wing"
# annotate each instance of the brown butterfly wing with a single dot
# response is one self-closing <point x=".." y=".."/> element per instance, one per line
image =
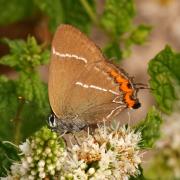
<point x="79" y="83"/>
<point x="63" y="70"/>
<point x="93" y="94"/>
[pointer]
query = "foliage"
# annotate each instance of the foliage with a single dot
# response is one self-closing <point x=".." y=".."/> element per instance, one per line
<point x="140" y="34"/>
<point x="25" y="56"/>
<point x="113" y="51"/>
<point x="58" y="12"/>
<point x="54" y="11"/>
<point x="117" y="16"/>
<point x="15" y="10"/>
<point x="165" y="76"/>
<point x="75" y="14"/>
<point x="165" y="80"/>
<point x="8" y="107"/>
<point x="8" y="153"/>
<point x="27" y="94"/>
<point x="70" y="12"/>
<point x="117" y="21"/>
<point x="150" y="128"/>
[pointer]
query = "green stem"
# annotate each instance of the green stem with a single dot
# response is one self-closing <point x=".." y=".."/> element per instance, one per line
<point x="89" y="11"/>
<point x="17" y="120"/>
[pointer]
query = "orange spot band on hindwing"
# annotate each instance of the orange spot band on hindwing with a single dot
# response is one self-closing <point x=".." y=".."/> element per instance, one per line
<point x="120" y="79"/>
<point x="123" y="86"/>
<point x="114" y="73"/>
<point x="128" y="100"/>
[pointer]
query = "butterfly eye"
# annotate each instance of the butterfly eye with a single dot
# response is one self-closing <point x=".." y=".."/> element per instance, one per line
<point x="52" y="121"/>
<point x="137" y="105"/>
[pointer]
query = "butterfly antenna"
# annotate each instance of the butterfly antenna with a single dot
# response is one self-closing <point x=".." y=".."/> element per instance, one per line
<point x="142" y="86"/>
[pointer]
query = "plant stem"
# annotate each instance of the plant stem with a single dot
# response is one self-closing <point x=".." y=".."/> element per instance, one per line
<point x="89" y="11"/>
<point x="17" y="120"/>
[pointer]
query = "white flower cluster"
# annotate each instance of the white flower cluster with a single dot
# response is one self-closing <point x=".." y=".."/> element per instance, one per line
<point x="42" y="157"/>
<point x="108" y="154"/>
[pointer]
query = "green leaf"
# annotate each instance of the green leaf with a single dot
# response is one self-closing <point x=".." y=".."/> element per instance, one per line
<point x="33" y="113"/>
<point x="33" y="118"/>
<point x="113" y="51"/>
<point x="25" y="56"/>
<point x="36" y="108"/>
<point x="70" y="12"/>
<point x="76" y="15"/>
<point x="8" y="154"/>
<point x="137" y="36"/>
<point x="8" y="107"/>
<point x="21" y="117"/>
<point x="15" y="10"/>
<point x="150" y="128"/>
<point x="31" y="87"/>
<point x="140" y="34"/>
<point x="117" y="16"/>
<point x="165" y="76"/>
<point x="53" y="9"/>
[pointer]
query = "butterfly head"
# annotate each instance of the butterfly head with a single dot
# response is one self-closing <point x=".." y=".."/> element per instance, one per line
<point x="52" y="121"/>
<point x="137" y="104"/>
<point x="136" y="87"/>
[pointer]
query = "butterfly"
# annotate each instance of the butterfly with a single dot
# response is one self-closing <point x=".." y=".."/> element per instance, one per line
<point x="84" y="87"/>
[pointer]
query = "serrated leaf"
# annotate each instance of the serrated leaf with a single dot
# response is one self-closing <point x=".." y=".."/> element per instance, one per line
<point x="53" y="9"/>
<point x="15" y="10"/>
<point x="21" y="117"/>
<point x="164" y="71"/>
<point x="117" y="16"/>
<point x="25" y="55"/>
<point x="37" y="103"/>
<point x="76" y="15"/>
<point x="31" y="87"/>
<point x="33" y="114"/>
<point x="150" y="128"/>
<point x="8" y="154"/>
